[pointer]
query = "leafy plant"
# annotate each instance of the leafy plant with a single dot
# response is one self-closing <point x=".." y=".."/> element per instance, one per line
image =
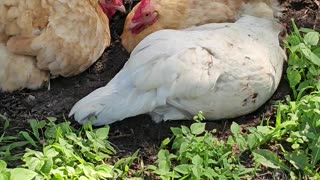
<point x="303" y="133"/>
<point x="198" y="154"/>
<point x="304" y="60"/>
<point x="66" y="153"/>
<point x="297" y="126"/>
<point x="15" y="174"/>
<point x="10" y="143"/>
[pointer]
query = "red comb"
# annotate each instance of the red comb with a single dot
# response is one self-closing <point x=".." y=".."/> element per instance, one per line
<point x="144" y="3"/>
<point x="119" y="2"/>
<point x="138" y="12"/>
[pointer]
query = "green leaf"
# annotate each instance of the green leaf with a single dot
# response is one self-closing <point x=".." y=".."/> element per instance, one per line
<point x="197" y="160"/>
<point x="197" y="128"/>
<point x="58" y="174"/>
<point x="196" y="172"/>
<point x="28" y="138"/>
<point x="306" y="30"/>
<point x="51" y="133"/>
<point x="6" y="124"/>
<point x="287" y="124"/>
<point x="311" y="38"/>
<point x="177" y="142"/>
<point x="50" y="152"/>
<point x="183" y="168"/>
<point x="163" y="154"/>
<point x="252" y="140"/>
<point x="313" y="70"/>
<point x="4" y="176"/>
<point x="269" y="159"/>
<point x="235" y="128"/>
<point x="14" y="145"/>
<point x="310" y="55"/>
<point x="102" y="133"/>
<point x="91" y="136"/>
<point x="20" y="173"/>
<point x="105" y="171"/>
<point x="33" y="163"/>
<point x="47" y="166"/>
<point x="3" y="165"/>
<point x="176" y="131"/>
<point x="35" y="128"/>
<point x="71" y="171"/>
<point x="83" y="178"/>
<point x="127" y="161"/>
<point x="8" y="138"/>
<point x="295" y="146"/>
<point x="294" y="78"/>
<point x="315" y="153"/>
<point x="210" y="173"/>
<point x="52" y="119"/>
<point x="316" y="51"/>
<point x="298" y="159"/>
<point x="295" y="29"/>
<point x="165" y="142"/>
<point x="293" y="40"/>
<point x="184" y="147"/>
<point x="185" y="130"/>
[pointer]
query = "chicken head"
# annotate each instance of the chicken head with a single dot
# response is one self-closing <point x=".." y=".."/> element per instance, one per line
<point x="144" y="16"/>
<point x="110" y="7"/>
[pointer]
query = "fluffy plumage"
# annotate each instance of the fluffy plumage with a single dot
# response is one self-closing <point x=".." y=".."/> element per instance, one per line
<point x="58" y="37"/>
<point x="223" y="69"/>
<point x="18" y="72"/>
<point x="152" y="15"/>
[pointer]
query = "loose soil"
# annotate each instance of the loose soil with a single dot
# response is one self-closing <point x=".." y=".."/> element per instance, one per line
<point x="136" y="132"/>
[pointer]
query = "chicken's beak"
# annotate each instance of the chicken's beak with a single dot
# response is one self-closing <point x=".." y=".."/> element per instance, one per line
<point x="121" y="9"/>
<point x="134" y="25"/>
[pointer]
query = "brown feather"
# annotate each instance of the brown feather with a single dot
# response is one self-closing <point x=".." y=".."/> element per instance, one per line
<point x="60" y="37"/>
<point x="182" y="14"/>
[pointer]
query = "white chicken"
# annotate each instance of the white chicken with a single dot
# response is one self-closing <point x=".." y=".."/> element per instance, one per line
<point x="223" y="69"/>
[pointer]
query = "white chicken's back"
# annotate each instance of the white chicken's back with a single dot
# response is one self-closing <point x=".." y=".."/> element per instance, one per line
<point x="225" y="70"/>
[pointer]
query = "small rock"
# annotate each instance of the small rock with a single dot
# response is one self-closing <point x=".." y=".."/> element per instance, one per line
<point x="98" y="67"/>
<point x="31" y="100"/>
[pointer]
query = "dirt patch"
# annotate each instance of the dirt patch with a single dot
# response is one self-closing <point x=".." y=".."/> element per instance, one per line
<point x="140" y="131"/>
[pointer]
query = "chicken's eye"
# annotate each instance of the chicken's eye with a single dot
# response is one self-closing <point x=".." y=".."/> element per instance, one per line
<point x="147" y="14"/>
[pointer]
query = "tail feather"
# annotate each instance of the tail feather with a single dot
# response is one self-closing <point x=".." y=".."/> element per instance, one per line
<point x="262" y="8"/>
<point x="112" y="103"/>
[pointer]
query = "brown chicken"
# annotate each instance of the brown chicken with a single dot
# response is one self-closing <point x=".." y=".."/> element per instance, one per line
<point x="38" y="37"/>
<point x="152" y="15"/>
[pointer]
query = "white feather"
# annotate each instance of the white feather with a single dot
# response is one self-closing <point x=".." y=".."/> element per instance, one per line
<point x="225" y="70"/>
